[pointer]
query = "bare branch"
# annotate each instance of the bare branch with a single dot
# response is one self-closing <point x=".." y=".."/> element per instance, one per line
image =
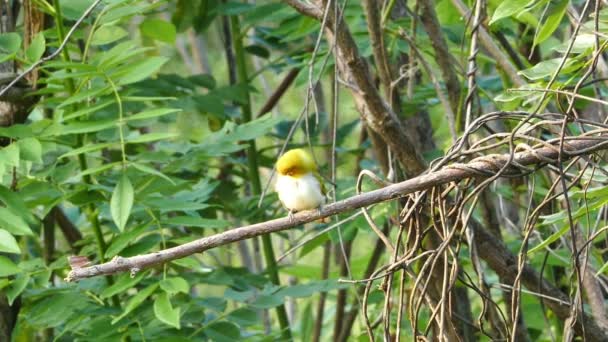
<point x="279" y="92"/>
<point x="306" y="9"/>
<point x="481" y="167"/>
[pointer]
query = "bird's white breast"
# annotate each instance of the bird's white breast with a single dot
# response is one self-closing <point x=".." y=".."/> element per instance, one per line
<point x="301" y="193"/>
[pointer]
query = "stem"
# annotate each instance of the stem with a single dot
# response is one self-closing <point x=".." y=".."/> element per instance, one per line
<point x="254" y="176"/>
<point x="65" y="55"/>
<point x="91" y="212"/>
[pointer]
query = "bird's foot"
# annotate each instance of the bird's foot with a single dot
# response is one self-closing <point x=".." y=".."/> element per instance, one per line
<point x="323" y="219"/>
<point x="290" y="216"/>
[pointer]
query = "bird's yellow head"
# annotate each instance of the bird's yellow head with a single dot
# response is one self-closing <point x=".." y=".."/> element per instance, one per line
<point x="296" y="163"/>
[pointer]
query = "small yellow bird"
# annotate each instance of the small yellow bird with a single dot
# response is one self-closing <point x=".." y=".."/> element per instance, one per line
<point x="299" y="184"/>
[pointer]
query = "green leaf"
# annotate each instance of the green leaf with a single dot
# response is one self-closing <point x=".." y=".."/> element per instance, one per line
<point x="10" y="42"/>
<point x="122" y="240"/>
<point x="214" y="303"/>
<point x="158" y="29"/>
<point x="145" y="138"/>
<point x="30" y="149"/>
<point x="14" y="202"/>
<point x="235" y="8"/>
<point x="152" y="171"/>
<point x="509" y="8"/>
<point x="56" y="308"/>
<point x="73" y="9"/>
<point x="175" y="285"/>
<point x="244" y="317"/>
<point x="554" y="18"/>
<point x="152" y="113"/>
<point x="94" y="170"/>
<point x="84" y="95"/>
<point x="10" y="155"/>
<point x="262" y="12"/>
<point x="165" y="204"/>
<point x="86" y="149"/>
<point x="136" y="301"/>
<point x="203" y="80"/>
<point x="7" y="267"/>
<point x="122" y="202"/>
<point x="88" y="110"/>
<point x="258" y="50"/>
<point x="267" y="301"/>
<point x="223" y="332"/>
<point x="108" y="34"/>
<point x="125" y="9"/>
<point x="16" y="287"/>
<point x="13" y="223"/>
<point x="17" y="131"/>
<point x="165" y="312"/>
<point x="124" y="283"/>
<point x="143" y="70"/>
<point x="546" y="68"/>
<point x="191" y="221"/>
<point x="87" y="126"/>
<point x="307" y="290"/>
<point x="602" y="269"/>
<point x="553" y="237"/>
<point x="226" y="140"/>
<point x="9" y="45"/>
<point x="8" y="244"/>
<point x="36" y="49"/>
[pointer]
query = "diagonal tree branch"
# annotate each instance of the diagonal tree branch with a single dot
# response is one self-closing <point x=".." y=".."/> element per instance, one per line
<point x="305" y="9"/>
<point x="444" y="59"/>
<point x="481" y="167"/>
<point x="355" y="71"/>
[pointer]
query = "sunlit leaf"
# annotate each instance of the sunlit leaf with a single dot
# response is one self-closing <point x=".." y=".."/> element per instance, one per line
<point x="554" y="18"/>
<point x="122" y="202"/>
<point x="158" y="29"/>
<point x="164" y="311"/>
<point x="7" y="267"/>
<point x="36" y="49"/>
<point x="16" y="287"/>
<point x="12" y="223"/>
<point x="8" y="244"/>
<point x="141" y="70"/>
<point x="136" y="301"/>
<point x="108" y="34"/>
<point x="175" y="285"/>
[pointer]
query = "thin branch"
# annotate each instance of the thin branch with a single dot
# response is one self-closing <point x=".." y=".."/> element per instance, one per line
<point x="71" y="233"/>
<point x="482" y="167"/>
<point x="279" y="92"/>
<point x="493" y="50"/>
